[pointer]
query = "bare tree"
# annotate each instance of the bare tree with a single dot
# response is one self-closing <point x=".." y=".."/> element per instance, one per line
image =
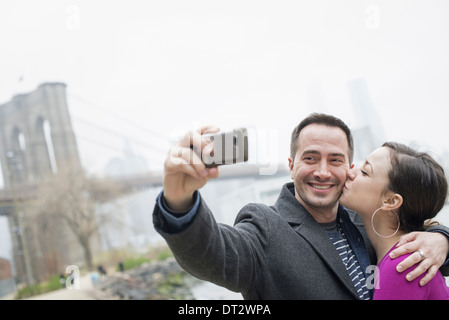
<point x="77" y="201"/>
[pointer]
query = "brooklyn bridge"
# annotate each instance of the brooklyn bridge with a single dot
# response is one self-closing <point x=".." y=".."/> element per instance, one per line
<point x="37" y="140"/>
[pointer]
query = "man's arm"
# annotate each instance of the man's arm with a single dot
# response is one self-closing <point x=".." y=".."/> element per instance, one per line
<point x="207" y="250"/>
<point x="434" y="243"/>
<point x="219" y="253"/>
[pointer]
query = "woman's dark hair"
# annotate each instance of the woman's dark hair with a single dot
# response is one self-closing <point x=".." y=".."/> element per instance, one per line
<point x="421" y="182"/>
<point x="324" y="119"/>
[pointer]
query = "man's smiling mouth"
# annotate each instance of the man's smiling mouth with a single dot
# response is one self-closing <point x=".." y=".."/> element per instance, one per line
<point x="320" y="186"/>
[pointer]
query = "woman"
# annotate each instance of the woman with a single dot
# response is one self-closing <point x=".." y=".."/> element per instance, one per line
<point x="395" y="191"/>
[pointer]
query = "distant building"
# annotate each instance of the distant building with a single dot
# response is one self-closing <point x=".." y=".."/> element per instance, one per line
<point x="368" y="132"/>
<point x="444" y="159"/>
<point x="5" y="269"/>
<point x="364" y="143"/>
<point x="129" y="164"/>
<point x="7" y="283"/>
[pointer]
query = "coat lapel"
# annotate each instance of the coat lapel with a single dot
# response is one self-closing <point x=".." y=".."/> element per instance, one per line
<point x="314" y="234"/>
<point x="306" y="226"/>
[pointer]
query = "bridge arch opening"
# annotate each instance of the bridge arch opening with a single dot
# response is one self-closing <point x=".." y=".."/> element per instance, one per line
<point x="50" y="149"/>
<point x="44" y="146"/>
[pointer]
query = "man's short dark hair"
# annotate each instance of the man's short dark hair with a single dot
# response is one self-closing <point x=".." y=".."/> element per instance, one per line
<point x="324" y="119"/>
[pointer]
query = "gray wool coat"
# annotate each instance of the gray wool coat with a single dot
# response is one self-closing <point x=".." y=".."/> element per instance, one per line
<point x="272" y="252"/>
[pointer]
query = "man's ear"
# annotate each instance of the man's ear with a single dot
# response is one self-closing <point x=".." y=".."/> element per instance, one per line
<point x="393" y="201"/>
<point x="290" y="166"/>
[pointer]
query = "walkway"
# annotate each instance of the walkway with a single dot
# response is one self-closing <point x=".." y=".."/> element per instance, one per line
<point x="203" y="291"/>
<point x="85" y="292"/>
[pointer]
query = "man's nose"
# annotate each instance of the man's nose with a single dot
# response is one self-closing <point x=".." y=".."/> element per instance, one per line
<point x="322" y="172"/>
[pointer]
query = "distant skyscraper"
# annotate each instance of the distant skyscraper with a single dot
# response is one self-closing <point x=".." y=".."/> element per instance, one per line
<point x="130" y="163"/>
<point x="444" y="160"/>
<point x="368" y="132"/>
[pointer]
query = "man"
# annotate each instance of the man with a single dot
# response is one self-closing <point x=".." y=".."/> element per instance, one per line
<point x="306" y="246"/>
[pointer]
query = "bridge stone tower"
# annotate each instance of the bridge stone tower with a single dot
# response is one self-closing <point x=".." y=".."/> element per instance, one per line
<point x="36" y="139"/>
<point x="36" y="132"/>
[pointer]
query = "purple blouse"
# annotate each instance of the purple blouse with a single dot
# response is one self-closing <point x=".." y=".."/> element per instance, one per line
<point x="392" y="285"/>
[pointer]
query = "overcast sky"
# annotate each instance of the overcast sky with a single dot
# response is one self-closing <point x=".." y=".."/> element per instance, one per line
<point x="150" y="70"/>
<point x="165" y="67"/>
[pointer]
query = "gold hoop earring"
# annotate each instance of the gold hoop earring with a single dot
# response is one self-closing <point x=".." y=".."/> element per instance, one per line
<point x="372" y="224"/>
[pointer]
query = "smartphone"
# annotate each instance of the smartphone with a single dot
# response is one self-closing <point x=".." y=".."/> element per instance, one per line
<point x="228" y="148"/>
